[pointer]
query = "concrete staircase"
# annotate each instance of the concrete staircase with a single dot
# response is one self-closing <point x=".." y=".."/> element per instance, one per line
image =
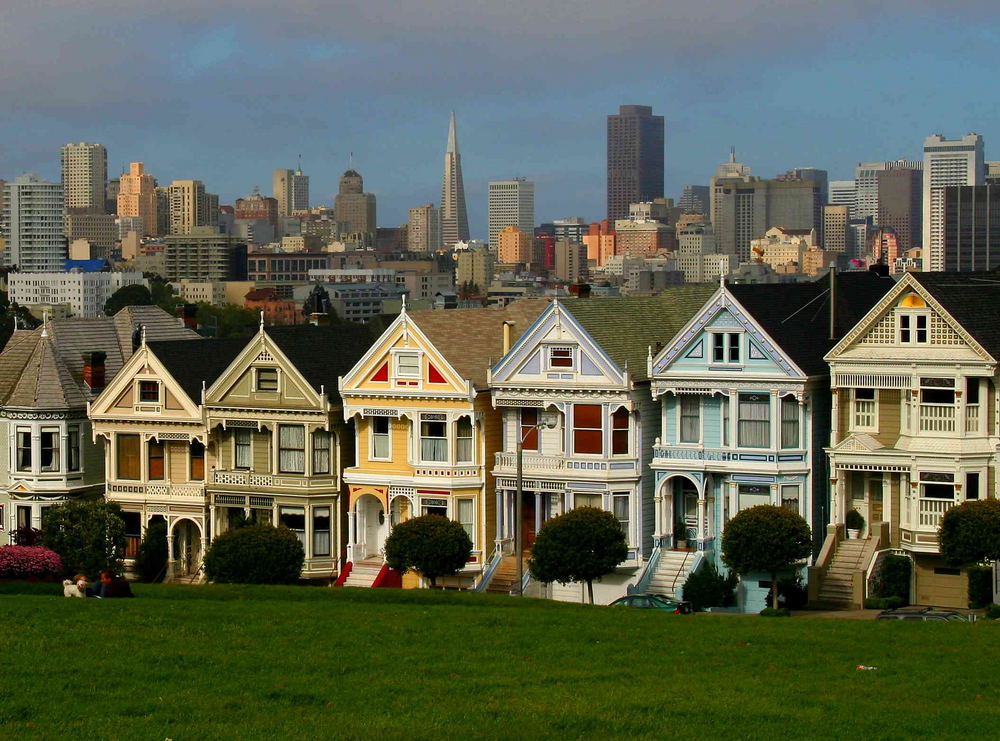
<point x="671" y="572"/>
<point x="836" y="590"/>
<point x="505" y="575"/>
<point x="363" y="573"/>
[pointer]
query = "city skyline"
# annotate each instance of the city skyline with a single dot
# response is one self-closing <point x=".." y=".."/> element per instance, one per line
<point x="778" y="115"/>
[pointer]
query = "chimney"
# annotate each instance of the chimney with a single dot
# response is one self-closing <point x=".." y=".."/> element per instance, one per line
<point x="506" y="337"/>
<point x="93" y="370"/>
<point x="188" y="314"/>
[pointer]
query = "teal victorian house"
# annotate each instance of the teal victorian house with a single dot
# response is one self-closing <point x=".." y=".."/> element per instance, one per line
<point x="744" y="402"/>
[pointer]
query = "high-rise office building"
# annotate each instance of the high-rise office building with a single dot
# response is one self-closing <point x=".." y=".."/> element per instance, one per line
<point x="946" y="162"/>
<point x="900" y="190"/>
<point x="454" y="218"/>
<point x="836" y="232"/>
<point x="84" y="177"/>
<point x="635" y="158"/>
<point x="511" y="203"/>
<point x="291" y="189"/>
<point x="423" y="232"/>
<point x="32" y="222"/>
<point x="191" y="206"/>
<point x="694" y="199"/>
<point x="971" y="227"/>
<point x="515" y="246"/>
<point x="352" y="206"/>
<point x="814" y="174"/>
<point x="866" y="185"/>
<point x="204" y="254"/>
<point x="570" y="261"/>
<point x="99" y="230"/>
<point x="842" y="193"/>
<point x="137" y="197"/>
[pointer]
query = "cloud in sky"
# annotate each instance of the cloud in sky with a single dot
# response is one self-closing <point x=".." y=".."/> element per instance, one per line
<point x="227" y="91"/>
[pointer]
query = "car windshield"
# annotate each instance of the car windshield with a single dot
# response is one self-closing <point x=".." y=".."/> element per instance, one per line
<point x="958" y="618"/>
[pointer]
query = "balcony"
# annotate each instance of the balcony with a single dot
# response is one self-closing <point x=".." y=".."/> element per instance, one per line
<point x="921" y="518"/>
<point x="972" y="418"/>
<point x="246" y="480"/>
<point x="936" y="418"/>
<point x="534" y="464"/>
<point x="160" y="492"/>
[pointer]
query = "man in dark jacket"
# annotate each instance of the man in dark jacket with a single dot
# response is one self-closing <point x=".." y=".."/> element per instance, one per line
<point x="113" y="586"/>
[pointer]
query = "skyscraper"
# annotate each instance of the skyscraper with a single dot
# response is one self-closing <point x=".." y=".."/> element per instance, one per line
<point x="946" y="162"/>
<point x="137" y="197"/>
<point x="899" y="194"/>
<point x="842" y="193"/>
<point x="291" y="189"/>
<point x="511" y="203"/>
<point x="84" y="177"/>
<point x="191" y="206"/>
<point x="866" y="176"/>
<point x="971" y="227"/>
<point x="423" y="229"/>
<point x="454" y="219"/>
<point x="353" y="206"/>
<point x="32" y="219"/>
<point x="635" y="158"/>
<point x="694" y="199"/>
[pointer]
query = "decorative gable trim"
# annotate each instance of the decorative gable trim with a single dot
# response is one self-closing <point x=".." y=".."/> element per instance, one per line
<point x="122" y="388"/>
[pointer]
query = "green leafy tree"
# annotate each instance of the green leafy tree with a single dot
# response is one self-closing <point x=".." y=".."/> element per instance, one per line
<point x="161" y="292"/>
<point x="765" y="538"/>
<point x="133" y="295"/>
<point x="89" y="536"/>
<point x="970" y="532"/>
<point x="13" y="316"/>
<point x="151" y="560"/>
<point x="259" y="554"/>
<point x="433" y="545"/>
<point x="227" y="321"/>
<point x="584" y="544"/>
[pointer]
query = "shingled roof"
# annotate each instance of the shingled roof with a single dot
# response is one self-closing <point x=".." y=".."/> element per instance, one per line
<point x="193" y="363"/>
<point x="43" y="368"/>
<point x="972" y="300"/>
<point x="625" y="328"/>
<point x="471" y="340"/>
<point x="797" y="315"/>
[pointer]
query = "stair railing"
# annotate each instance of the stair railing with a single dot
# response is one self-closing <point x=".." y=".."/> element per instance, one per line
<point x="491" y="566"/>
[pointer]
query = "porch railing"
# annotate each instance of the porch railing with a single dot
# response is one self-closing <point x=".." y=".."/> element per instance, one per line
<point x="158" y="491"/>
<point x="972" y="418"/>
<point x="531" y="461"/>
<point x="930" y="512"/>
<point x="937" y="418"/>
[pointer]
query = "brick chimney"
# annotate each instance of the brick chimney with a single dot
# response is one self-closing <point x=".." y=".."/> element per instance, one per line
<point x="93" y="370"/>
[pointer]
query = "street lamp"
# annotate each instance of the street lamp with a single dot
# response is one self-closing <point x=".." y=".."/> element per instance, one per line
<point x="548" y="418"/>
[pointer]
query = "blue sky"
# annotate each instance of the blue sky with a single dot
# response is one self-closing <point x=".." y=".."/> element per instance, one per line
<point x="227" y="91"/>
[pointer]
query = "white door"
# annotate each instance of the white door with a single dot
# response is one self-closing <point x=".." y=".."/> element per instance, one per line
<point x="372" y="512"/>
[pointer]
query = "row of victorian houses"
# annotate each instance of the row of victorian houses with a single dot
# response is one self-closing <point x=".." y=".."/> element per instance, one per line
<point x="672" y="412"/>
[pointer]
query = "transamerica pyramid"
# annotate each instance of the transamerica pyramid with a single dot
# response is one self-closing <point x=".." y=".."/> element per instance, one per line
<point x="454" y="219"/>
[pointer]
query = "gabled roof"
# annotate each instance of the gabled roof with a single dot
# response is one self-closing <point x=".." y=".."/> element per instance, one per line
<point x="194" y="362"/>
<point x="43" y="368"/>
<point x="625" y="328"/>
<point x="797" y="315"/>
<point x="471" y="340"/>
<point x="972" y="299"/>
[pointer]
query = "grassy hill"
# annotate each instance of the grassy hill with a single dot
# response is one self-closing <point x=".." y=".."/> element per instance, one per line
<point x="313" y="663"/>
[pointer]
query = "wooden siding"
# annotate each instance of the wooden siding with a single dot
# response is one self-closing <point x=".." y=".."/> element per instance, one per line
<point x="888" y="417"/>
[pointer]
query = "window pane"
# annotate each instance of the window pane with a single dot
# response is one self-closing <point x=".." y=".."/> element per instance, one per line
<point x="23" y="450"/>
<point x="128" y="456"/>
<point x="588" y="500"/>
<point x="587" y="441"/>
<point x="294" y="518"/>
<point x="74" y="448"/>
<point x="466" y="517"/>
<point x="734" y="347"/>
<point x="587" y="415"/>
<point x="790" y="497"/>
<point x="754" y="424"/>
<point x="690" y="418"/>
<point x="197" y="461"/>
<point x="619" y="432"/>
<point x="267" y="379"/>
<point x="321" y="451"/>
<point x="154" y="451"/>
<point x="718" y="348"/>
<point x="49" y="449"/>
<point x="291" y="449"/>
<point x="241" y="442"/>
<point x="529" y="429"/>
<point x="561" y="357"/>
<point x="620" y="503"/>
<point x="463" y="445"/>
<point x="587" y="429"/>
<point x="972" y="486"/>
<point x="149" y="391"/>
<point x="408" y="364"/>
<point x="789" y="422"/>
<point x="321" y="531"/>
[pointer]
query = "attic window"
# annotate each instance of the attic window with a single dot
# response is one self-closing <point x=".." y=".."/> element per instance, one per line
<point x="149" y="391"/>
<point x="560" y="357"/>
<point x="912" y="328"/>
<point x="408" y="365"/>
<point x="267" y="379"/>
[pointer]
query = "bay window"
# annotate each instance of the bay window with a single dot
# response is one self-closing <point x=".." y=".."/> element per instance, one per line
<point x="291" y="449"/>
<point x="127" y="450"/>
<point x="154" y="454"/>
<point x="242" y="448"/>
<point x="380" y="437"/>
<point x="789" y="422"/>
<point x="294" y="518"/>
<point x="321" y="531"/>
<point x="528" y="429"/>
<point x="49" y="449"/>
<point x="463" y="440"/>
<point x="754" y="421"/>
<point x="588" y="432"/>
<point x="433" y="438"/>
<point x="321" y="451"/>
<point x="690" y="418"/>
<point x="619" y="432"/>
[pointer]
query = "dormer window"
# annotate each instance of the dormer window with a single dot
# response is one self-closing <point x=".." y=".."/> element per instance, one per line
<point x="149" y="391"/>
<point x="267" y="379"/>
<point x="726" y="347"/>
<point x="408" y="365"/>
<point x="561" y="357"/>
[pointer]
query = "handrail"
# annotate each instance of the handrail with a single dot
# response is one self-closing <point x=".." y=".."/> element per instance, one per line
<point x="642" y="584"/>
<point x="525" y="581"/>
<point x="489" y="569"/>
<point x="699" y="556"/>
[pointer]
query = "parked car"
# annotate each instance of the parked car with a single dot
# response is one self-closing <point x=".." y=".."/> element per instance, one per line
<point x="653" y="602"/>
<point x="922" y="613"/>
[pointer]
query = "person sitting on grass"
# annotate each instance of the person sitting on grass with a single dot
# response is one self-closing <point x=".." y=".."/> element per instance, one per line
<point x="113" y="586"/>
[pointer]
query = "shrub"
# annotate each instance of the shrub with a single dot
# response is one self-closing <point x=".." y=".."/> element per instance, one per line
<point x="260" y="554"/>
<point x="884" y="603"/>
<point x="89" y="536"/>
<point x="854" y="520"/>
<point x="151" y="560"/>
<point x="775" y="612"/>
<point x="582" y="545"/>
<point x="431" y="544"/>
<point x="765" y="538"/>
<point x="706" y="587"/>
<point x="28" y="562"/>
<point x="970" y="532"/>
<point x="791" y="593"/>
<point x="993" y="612"/>
<point x="980" y="586"/>
<point x="893" y="578"/>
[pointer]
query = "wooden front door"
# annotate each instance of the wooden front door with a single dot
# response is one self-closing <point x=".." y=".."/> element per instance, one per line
<point x="528" y="519"/>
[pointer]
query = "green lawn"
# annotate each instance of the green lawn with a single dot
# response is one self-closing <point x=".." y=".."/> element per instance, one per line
<point x="312" y="663"/>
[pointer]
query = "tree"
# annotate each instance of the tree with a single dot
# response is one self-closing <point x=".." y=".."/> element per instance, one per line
<point x="582" y="545"/>
<point x="151" y="560"/>
<point x="161" y="292"/>
<point x="133" y="295"/>
<point x="227" y="321"/>
<point x="12" y="317"/>
<point x="259" y="554"/>
<point x="765" y="538"/>
<point x="89" y="536"/>
<point x="970" y="532"/>
<point x="433" y="545"/>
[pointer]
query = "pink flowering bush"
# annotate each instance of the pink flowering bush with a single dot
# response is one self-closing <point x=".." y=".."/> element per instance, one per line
<point x="28" y="562"/>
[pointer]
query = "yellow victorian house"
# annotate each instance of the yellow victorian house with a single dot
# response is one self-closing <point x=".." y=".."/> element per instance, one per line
<point x="426" y="432"/>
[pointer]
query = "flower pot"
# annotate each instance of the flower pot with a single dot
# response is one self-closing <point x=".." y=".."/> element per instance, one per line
<point x="853" y="534"/>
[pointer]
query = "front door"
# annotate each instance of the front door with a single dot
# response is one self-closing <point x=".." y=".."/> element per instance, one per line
<point x="528" y="519"/>
<point x="876" y="505"/>
<point x="373" y="514"/>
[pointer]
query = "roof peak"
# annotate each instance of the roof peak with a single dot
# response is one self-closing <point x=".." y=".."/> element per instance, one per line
<point x="452" y="136"/>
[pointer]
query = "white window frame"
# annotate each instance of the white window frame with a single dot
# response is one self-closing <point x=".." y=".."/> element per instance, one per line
<point x="798" y="496"/>
<point x="907" y="329"/>
<point x="372" y="447"/>
<point x="768" y="443"/>
<point x="856" y="414"/>
<point x="138" y="391"/>
<point x="277" y="380"/>
<point x="236" y="446"/>
<point x="397" y="368"/>
<point x="431" y="418"/>
<point x="550" y="352"/>
<point x="680" y="419"/>
<point x="727" y="346"/>
<point x="470" y="525"/>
